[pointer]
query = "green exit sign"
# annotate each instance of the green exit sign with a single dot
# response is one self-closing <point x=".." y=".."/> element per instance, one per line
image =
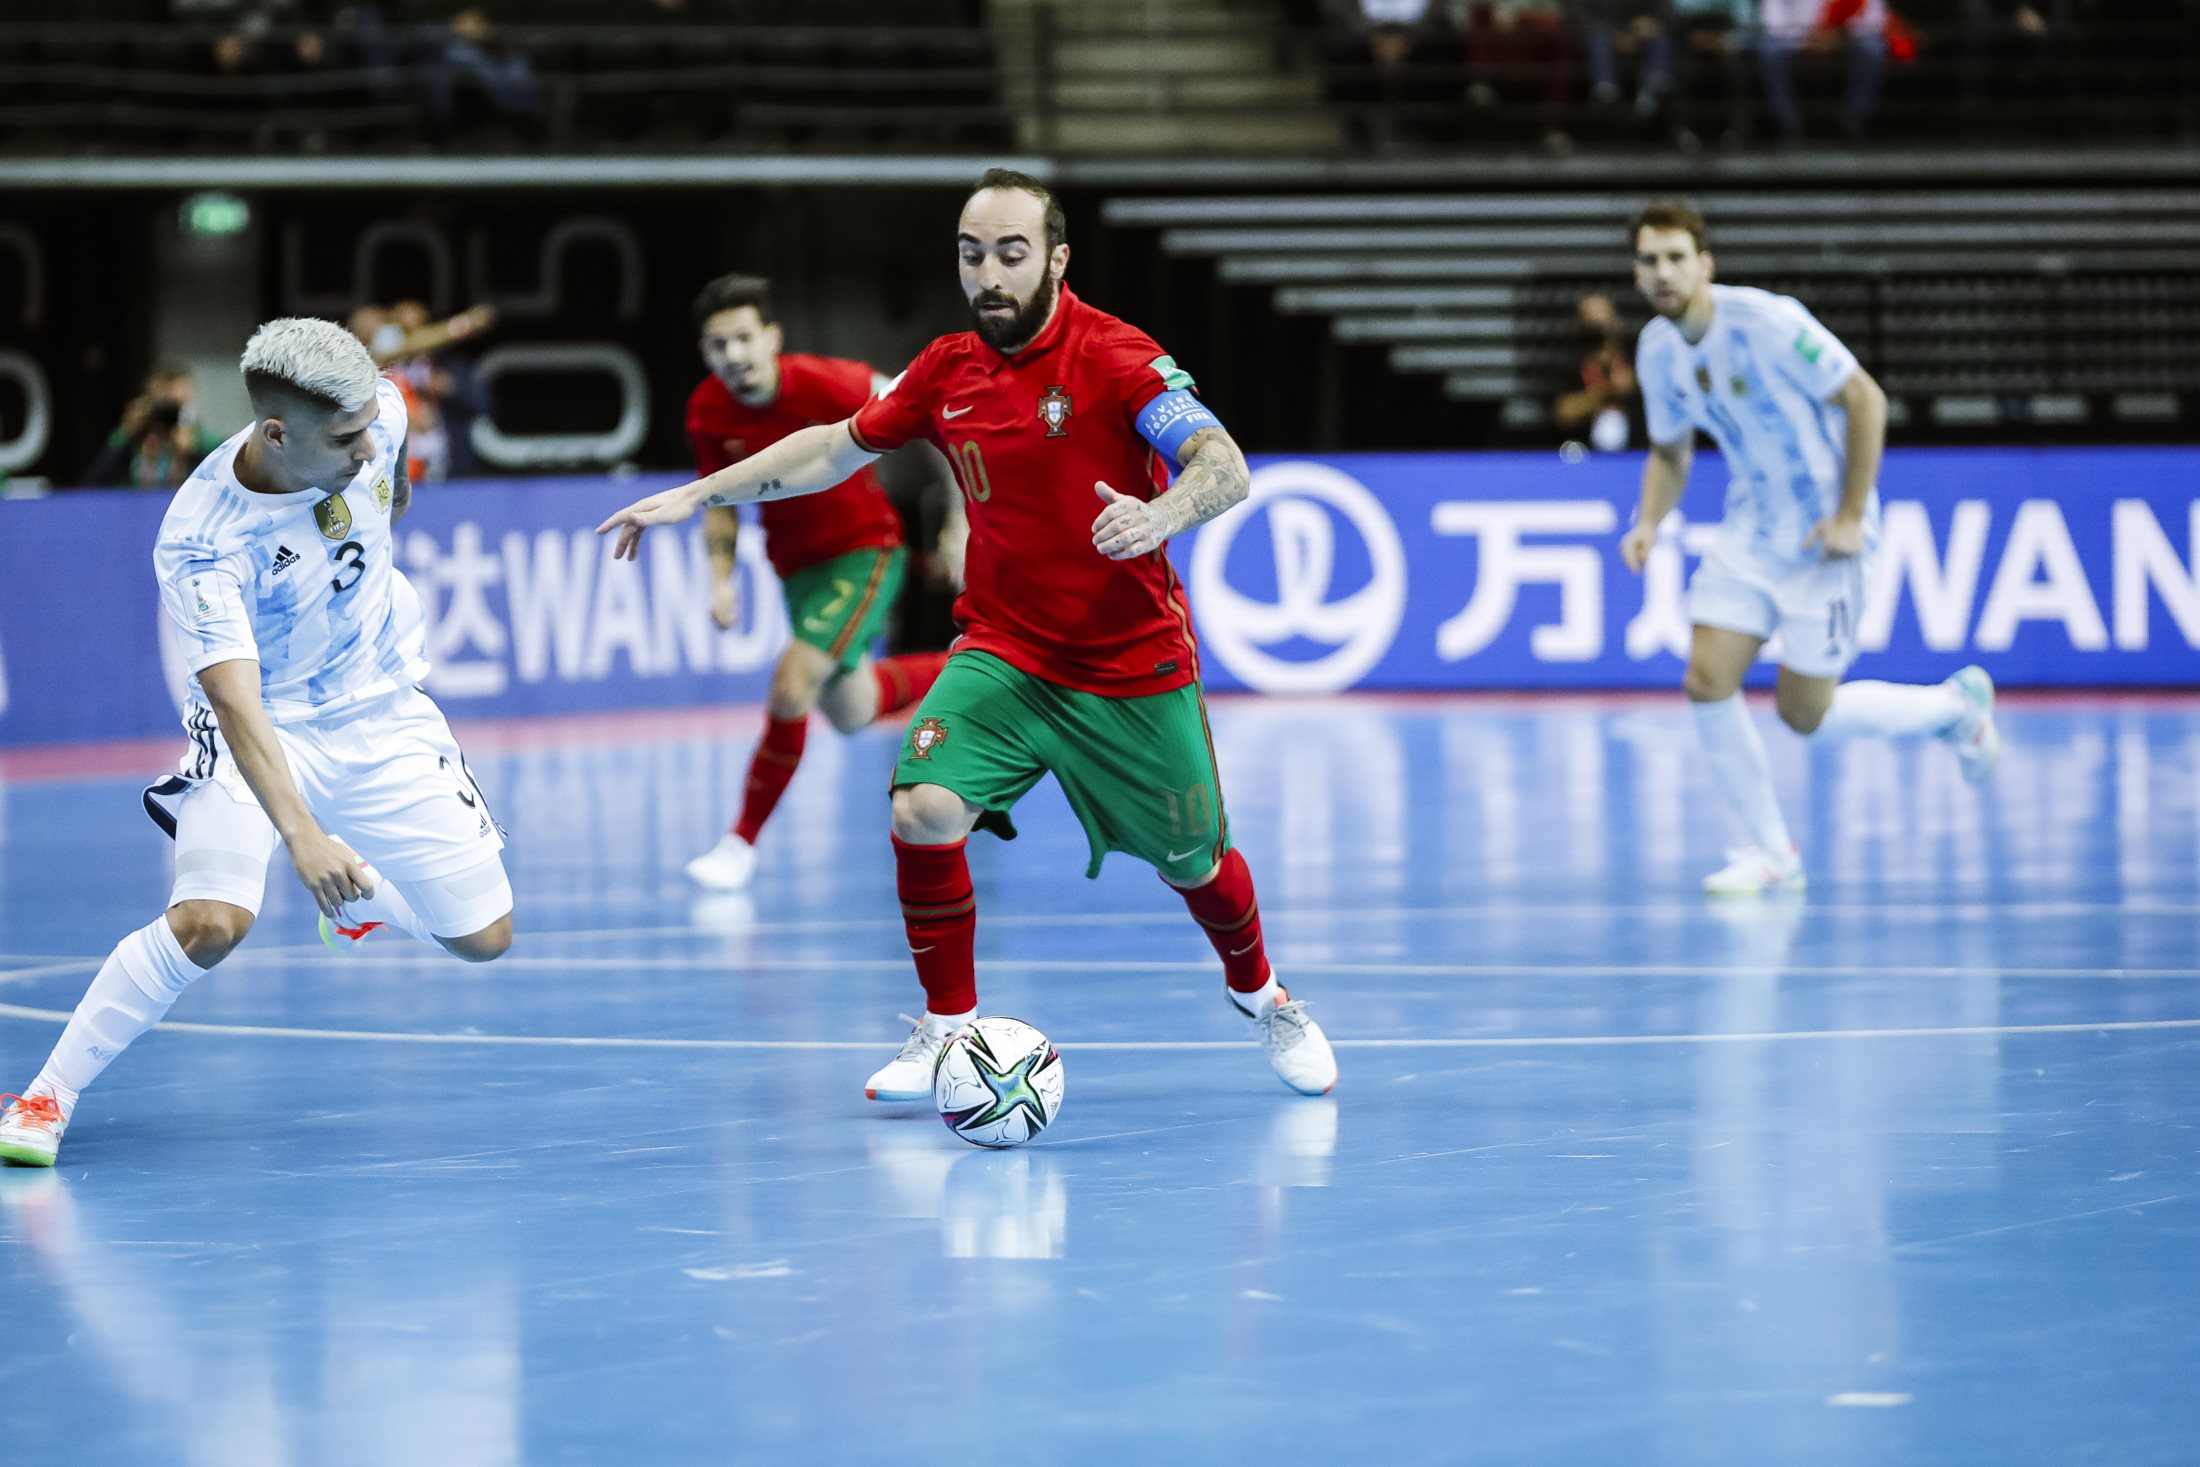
<point x="215" y="214"/>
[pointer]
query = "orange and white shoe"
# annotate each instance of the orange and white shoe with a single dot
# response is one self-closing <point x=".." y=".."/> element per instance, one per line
<point x="30" y="1130"/>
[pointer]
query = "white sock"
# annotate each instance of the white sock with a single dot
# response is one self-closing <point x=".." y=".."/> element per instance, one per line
<point x="1258" y="1002"/>
<point x="141" y="979"/>
<point x="947" y="1023"/>
<point x="1889" y="710"/>
<point x="388" y="906"/>
<point x="1737" y="759"/>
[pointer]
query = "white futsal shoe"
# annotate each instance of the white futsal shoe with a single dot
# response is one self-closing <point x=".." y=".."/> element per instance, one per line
<point x="1297" y="1049"/>
<point x="908" y="1076"/>
<point x="1753" y="871"/>
<point x="1977" y="742"/>
<point x="30" y="1130"/>
<point x="726" y="866"/>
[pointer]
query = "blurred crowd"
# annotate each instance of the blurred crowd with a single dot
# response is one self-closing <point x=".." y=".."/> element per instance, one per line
<point x="1693" y="70"/>
<point x="160" y="439"/>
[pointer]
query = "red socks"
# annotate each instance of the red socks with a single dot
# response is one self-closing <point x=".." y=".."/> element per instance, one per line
<point x="769" y="771"/>
<point x="940" y="910"/>
<point x="1226" y="907"/>
<point x="902" y="681"/>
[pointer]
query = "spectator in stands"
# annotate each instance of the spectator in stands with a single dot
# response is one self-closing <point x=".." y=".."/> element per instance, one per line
<point x="1602" y="408"/>
<point x="1639" y="32"/>
<point x="2009" y="50"/>
<point x="1379" y="52"/>
<point x="473" y="72"/>
<point x="1521" y="51"/>
<point x="1858" y="27"/>
<point x="1711" y="89"/>
<point x="442" y="398"/>
<point x="160" y="440"/>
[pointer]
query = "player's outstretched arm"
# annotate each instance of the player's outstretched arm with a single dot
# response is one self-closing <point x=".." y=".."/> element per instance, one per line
<point x="1664" y="476"/>
<point x="328" y="869"/>
<point x="1212" y="476"/>
<point x="808" y="462"/>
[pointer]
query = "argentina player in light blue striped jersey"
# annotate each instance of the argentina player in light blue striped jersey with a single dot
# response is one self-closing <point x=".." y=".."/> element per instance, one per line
<point x="1801" y="426"/>
<point x="306" y="721"/>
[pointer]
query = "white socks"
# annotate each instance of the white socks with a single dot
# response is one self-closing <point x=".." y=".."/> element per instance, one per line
<point x="138" y="983"/>
<point x="1875" y="709"/>
<point x="1256" y="1004"/>
<point x="388" y="906"/>
<point x="944" y="1024"/>
<point x="1737" y="760"/>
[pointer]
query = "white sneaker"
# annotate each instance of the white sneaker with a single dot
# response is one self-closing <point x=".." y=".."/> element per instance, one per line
<point x="1977" y="742"/>
<point x="30" y="1130"/>
<point x="1752" y="871"/>
<point x="1298" y="1051"/>
<point x="908" y="1076"/>
<point x="726" y="866"/>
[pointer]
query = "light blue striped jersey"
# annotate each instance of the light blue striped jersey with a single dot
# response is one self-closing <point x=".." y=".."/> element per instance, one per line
<point x="305" y="583"/>
<point x="1758" y="383"/>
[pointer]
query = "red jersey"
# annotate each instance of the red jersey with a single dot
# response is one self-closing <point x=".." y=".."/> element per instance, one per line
<point x="811" y="529"/>
<point x="1028" y="436"/>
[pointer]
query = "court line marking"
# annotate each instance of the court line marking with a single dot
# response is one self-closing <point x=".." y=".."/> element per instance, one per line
<point x="1767" y="968"/>
<point x="1572" y="1041"/>
<point x="1721" y="916"/>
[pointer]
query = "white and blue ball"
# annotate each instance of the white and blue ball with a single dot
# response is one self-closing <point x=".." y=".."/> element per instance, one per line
<point x="998" y="1082"/>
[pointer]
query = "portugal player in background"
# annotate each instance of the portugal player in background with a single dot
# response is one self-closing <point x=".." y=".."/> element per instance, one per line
<point x="1077" y="656"/>
<point x="838" y="554"/>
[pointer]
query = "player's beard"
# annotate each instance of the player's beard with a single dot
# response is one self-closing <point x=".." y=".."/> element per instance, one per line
<point x="1013" y="333"/>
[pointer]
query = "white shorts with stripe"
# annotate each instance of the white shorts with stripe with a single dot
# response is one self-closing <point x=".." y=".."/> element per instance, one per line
<point x="386" y="778"/>
<point x="1813" y="606"/>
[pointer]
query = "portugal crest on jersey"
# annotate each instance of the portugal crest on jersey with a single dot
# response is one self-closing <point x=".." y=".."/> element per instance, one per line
<point x="333" y="516"/>
<point x="928" y="735"/>
<point x="1054" y="411"/>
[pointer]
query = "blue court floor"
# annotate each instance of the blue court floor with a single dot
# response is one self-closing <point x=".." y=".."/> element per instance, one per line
<point x="1907" y="1172"/>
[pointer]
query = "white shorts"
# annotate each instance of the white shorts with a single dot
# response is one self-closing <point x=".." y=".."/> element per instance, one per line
<point x="1813" y="606"/>
<point x="386" y="778"/>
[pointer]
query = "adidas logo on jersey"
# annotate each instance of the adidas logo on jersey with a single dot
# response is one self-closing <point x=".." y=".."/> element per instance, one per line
<point x="285" y="558"/>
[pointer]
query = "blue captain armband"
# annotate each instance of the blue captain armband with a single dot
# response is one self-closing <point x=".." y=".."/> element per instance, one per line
<point x="1171" y="418"/>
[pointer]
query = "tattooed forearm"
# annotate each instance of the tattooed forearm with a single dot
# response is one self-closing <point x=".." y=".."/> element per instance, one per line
<point x="1213" y="479"/>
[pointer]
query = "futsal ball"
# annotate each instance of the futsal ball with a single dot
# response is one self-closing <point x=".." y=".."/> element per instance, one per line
<point x="998" y="1082"/>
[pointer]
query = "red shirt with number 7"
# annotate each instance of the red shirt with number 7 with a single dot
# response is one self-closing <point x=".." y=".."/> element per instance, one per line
<point x="1028" y="436"/>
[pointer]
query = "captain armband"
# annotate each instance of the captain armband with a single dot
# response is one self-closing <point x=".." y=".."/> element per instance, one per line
<point x="1172" y="418"/>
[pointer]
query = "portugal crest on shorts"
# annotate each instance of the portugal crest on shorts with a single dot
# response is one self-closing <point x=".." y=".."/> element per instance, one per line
<point x="382" y="494"/>
<point x="333" y="516"/>
<point x="1054" y="411"/>
<point x="928" y="735"/>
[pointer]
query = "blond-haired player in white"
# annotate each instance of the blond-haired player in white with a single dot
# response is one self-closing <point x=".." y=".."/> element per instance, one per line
<point x="1801" y="426"/>
<point x="306" y="720"/>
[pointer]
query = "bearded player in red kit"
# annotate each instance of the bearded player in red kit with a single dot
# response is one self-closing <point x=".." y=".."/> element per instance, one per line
<point x="1077" y="656"/>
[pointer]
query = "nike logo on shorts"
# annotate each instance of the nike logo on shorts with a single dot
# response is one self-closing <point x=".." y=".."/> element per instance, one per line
<point x="1180" y="855"/>
<point x="955" y="412"/>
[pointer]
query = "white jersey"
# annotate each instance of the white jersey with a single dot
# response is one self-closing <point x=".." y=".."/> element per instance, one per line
<point x="1758" y="383"/>
<point x="304" y="583"/>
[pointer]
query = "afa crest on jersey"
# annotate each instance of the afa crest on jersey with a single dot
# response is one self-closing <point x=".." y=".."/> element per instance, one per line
<point x="382" y="494"/>
<point x="333" y="515"/>
<point x="928" y="735"/>
<point x="1054" y="411"/>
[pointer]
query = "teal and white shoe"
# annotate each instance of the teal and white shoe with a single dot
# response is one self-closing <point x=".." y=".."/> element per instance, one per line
<point x="1977" y="742"/>
<point x="1754" y="871"/>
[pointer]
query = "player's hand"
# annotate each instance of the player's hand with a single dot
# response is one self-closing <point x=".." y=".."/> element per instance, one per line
<point x="1837" y="537"/>
<point x="952" y="553"/>
<point x="1635" y="546"/>
<point x="331" y="871"/>
<point x="725" y="602"/>
<point x="1126" y="529"/>
<point x="668" y="508"/>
